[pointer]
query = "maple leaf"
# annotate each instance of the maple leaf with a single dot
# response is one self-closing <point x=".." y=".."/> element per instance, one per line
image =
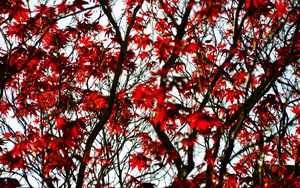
<point x="142" y="96"/>
<point x="144" y="55"/>
<point x="4" y="107"/>
<point x="139" y="161"/>
<point x="186" y="142"/>
<point x="12" y="160"/>
<point x="85" y="41"/>
<point x="296" y="109"/>
<point x="60" y="122"/>
<point x="198" y="122"/>
<point x="281" y="8"/>
<point x="160" y="116"/>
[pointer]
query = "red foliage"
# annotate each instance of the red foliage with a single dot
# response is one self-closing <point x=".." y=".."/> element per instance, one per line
<point x="129" y="93"/>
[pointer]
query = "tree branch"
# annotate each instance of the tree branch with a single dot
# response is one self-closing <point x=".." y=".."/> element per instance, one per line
<point x="103" y="119"/>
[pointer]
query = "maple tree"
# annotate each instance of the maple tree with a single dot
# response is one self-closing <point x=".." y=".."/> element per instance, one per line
<point x="179" y="93"/>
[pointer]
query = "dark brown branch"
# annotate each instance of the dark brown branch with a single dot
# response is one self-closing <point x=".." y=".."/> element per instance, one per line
<point x="169" y="14"/>
<point x="247" y="107"/>
<point x="183" y="170"/>
<point x="111" y="100"/>
<point x="108" y="12"/>
<point x="180" y="33"/>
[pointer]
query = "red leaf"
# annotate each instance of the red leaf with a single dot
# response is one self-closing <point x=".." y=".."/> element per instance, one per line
<point x="139" y="161"/>
<point x="198" y="122"/>
<point x="296" y="109"/>
<point x="60" y="122"/>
